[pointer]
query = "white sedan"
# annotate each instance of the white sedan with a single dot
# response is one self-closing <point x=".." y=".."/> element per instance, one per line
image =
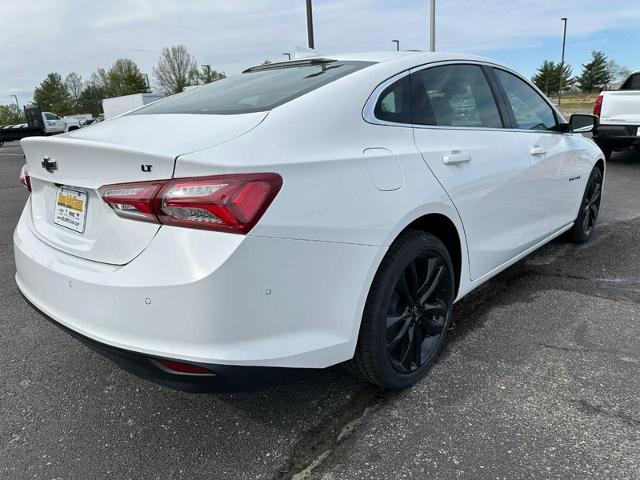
<point x="299" y="215"/>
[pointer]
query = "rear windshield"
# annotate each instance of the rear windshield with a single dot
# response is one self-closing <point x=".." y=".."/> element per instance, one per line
<point x="632" y="83"/>
<point x="256" y="90"/>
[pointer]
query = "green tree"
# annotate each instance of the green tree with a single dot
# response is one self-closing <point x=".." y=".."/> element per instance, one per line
<point x="594" y="73"/>
<point x="11" y="115"/>
<point x="99" y="79"/>
<point x="123" y="78"/>
<point x="208" y="75"/>
<point x="550" y="75"/>
<point x="176" y="69"/>
<point x="75" y="85"/>
<point x="52" y="95"/>
<point x="90" y="99"/>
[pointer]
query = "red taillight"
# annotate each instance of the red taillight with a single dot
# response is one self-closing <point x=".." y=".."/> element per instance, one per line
<point x="133" y="200"/>
<point x="24" y="177"/>
<point x="231" y="203"/>
<point x="184" y="367"/>
<point x="597" y="108"/>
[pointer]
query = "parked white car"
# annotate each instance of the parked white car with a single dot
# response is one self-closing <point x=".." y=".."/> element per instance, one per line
<point x="300" y="214"/>
<point x="619" y="112"/>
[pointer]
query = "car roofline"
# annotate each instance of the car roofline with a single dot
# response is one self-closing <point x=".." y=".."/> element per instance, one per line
<point x="420" y="57"/>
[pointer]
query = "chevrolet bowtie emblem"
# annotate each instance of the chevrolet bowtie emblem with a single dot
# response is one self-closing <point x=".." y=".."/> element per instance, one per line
<point x="48" y="164"/>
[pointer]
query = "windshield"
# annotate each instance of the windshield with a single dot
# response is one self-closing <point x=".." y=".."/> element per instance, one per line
<point x="256" y="90"/>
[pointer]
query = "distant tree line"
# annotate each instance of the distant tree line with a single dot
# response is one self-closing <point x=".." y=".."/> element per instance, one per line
<point x="175" y="70"/>
<point x="10" y="115"/>
<point x="553" y="77"/>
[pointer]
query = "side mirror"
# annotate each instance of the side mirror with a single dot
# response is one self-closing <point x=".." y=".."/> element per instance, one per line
<point x="580" y="123"/>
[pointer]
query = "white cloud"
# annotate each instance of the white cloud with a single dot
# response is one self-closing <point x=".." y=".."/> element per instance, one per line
<point x="40" y="36"/>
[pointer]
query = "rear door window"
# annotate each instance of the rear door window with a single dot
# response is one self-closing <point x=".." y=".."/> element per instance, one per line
<point x="453" y="96"/>
<point x="256" y="90"/>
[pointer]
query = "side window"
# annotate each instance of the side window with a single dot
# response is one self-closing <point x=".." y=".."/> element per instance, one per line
<point x="393" y="104"/>
<point x="530" y="110"/>
<point x="453" y="95"/>
<point x="50" y="116"/>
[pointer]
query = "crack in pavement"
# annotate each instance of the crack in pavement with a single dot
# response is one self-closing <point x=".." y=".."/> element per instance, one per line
<point x="593" y="409"/>
<point x="578" y="349"/>
<point x="318" y="444"/>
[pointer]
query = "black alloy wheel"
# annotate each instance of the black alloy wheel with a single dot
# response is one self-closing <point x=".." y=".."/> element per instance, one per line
<point x="407" y="313"/>
<point x="591" y="202"/>
<point x="585" y="223"/>
<point x="417" y="312"/>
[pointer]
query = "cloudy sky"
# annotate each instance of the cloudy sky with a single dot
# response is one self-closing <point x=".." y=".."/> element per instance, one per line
<point x="42" y="36"/>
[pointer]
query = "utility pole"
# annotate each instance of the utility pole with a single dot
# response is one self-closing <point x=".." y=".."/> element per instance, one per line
<point x="564" y="41"/>
<point x="287" y="54"/>
<point x="397" y="42"/>
<point x="17" y="104"/>
<point x="432" y="27"/>
<point x="310" y="24"/>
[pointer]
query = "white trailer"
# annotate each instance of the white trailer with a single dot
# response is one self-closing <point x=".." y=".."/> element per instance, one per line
<point x="112" y="107"/>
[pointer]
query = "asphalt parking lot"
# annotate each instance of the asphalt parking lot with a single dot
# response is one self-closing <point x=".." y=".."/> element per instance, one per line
<point x="541" y="379"/>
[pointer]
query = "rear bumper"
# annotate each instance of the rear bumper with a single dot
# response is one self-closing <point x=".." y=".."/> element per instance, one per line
<point x="208" y="298"/>
<point x="223" y="378"/>
<point x="618" y="136"/>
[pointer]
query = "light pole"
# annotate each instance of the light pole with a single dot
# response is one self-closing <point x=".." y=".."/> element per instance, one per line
<point x="146" y="76"/>
<point x="564" y="41"/>
<point x="310" y="24"/>
<point x="287" y="54"/>
<point x="432" y="27"/>
<point x="17" y="104"/>
<point x="397" y="42"/>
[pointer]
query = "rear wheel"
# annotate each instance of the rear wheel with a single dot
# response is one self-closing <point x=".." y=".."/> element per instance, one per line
<point x="585" y="223"/>
<point x="407" y="314"/>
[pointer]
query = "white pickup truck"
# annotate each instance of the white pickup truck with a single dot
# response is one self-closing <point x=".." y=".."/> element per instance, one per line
<point x="54" y="124"/>
<point x="38" y="123"/>
<point x="619" y="112"/>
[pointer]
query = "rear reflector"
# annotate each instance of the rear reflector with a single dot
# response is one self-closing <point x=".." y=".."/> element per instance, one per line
<point x="24" y="177"/>
<point x="180" y="367"/>
<point x="230" y="203"/>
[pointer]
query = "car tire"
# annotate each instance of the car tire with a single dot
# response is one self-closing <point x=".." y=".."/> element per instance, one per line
<point x="585" y="222"/>
<point x="407" y="313"/>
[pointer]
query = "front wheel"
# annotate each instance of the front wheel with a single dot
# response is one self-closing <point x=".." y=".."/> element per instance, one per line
<point x="585" y="223"/>
<point x="408" y="312"/>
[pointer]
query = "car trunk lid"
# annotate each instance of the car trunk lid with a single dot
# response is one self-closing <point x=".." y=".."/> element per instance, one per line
<point x="66" y="172"/>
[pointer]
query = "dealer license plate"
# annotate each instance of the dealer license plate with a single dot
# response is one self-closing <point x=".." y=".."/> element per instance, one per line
<point x="70" y="209"/>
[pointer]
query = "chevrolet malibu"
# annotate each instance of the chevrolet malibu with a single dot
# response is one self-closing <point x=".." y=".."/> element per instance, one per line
<point x="300" y="215"/>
